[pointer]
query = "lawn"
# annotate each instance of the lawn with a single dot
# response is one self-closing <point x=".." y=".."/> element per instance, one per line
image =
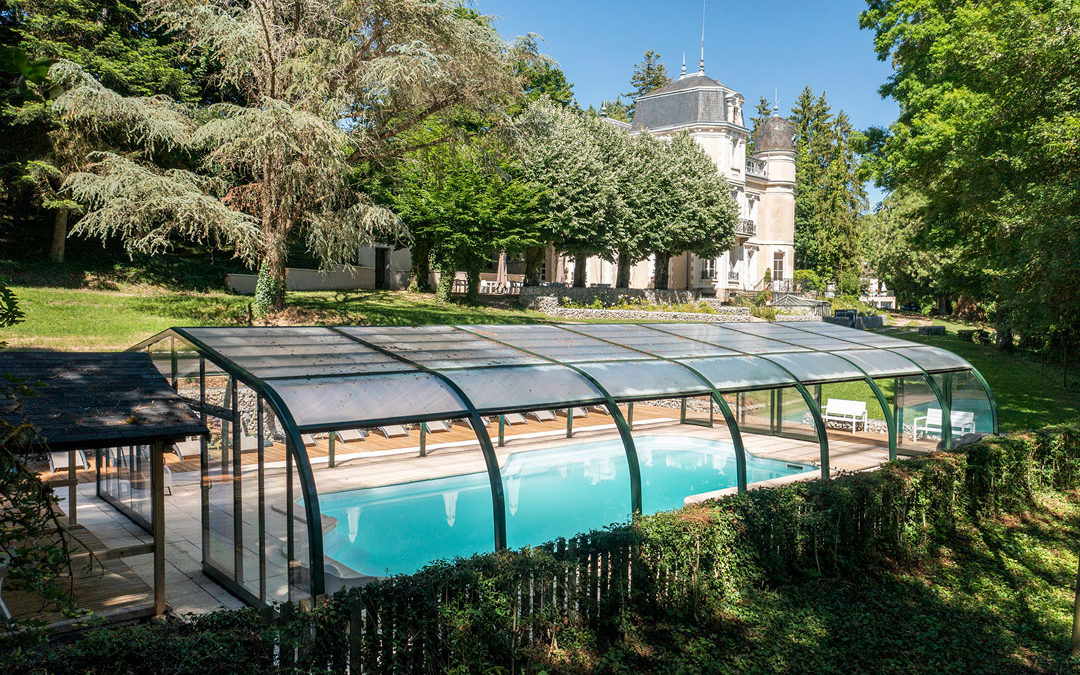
<point x="83" y="319"/>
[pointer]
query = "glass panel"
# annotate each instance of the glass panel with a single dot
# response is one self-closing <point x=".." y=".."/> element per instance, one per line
<point x="793" y="416"/>
<point x="717" y="334"/>
<point x="754" y="410"/>
<point x="881" y="362"/>
<point x="739" y="372"/>
<point x="394" y="513"/>
<point x="643" y="378"/>
<point x="275" y="503"/>
<point x="969" y="404"/>
<point x="556" y="343"/>
<point x="816" y="366"/>
<point x="367" y="398"/>
<point x="852" y="412"/>
<point x="860" y="337"/>
<point x="934" y="358"/>
<point x="917" y="410"/>
<point x="251" y="459"/>
<point x="441" y="346"/>
<point x="493" y="389"/>
<point x="220" y="552"/>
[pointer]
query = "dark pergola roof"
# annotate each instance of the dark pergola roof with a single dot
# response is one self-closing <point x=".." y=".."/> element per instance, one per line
<point x="93" y="400"/>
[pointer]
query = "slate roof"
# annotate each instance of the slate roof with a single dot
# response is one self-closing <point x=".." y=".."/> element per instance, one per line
<point x="94" y="400"/>
<point x="775" y="133"/>
<point x="687" y="100"/>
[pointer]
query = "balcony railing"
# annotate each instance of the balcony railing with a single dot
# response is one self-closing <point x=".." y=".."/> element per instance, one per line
<point x="756" y="167"/>
<point x="745" y="228"/>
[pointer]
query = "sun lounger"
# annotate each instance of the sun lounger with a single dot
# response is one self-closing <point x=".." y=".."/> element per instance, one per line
<point x="58" y="461"/>
<point x="187" y="449"/>
<point x="542" y="415"/>
<point x="468" y="422"/>
<point x="577" y="412"/>
<point x="599" y="409"/>
<point x="437" y="426"/>
<point x="393" y="430"/>
<point x="351" y="435"/>
<point x="308" y="439"/>
<point x="515" y="418"/>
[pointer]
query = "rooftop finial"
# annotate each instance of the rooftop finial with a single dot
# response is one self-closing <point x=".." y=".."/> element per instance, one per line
<point x="701" y="65"/>
<point x="776" y="101"/>
<point x="683" y="73"/>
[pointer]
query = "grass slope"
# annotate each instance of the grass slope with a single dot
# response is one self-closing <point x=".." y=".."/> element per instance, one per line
<point x="82" y="319"/>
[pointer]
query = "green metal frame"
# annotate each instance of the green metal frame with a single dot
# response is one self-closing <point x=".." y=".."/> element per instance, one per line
<point x="296" y="451"/>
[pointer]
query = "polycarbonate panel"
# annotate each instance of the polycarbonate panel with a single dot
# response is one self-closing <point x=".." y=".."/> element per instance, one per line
<point x="877" y="362"/>
<point x="731" y="373"/>
<point x="519" y="387"/>
<point x="441" y="346"/>
<point x="861" y="337"/>
<point x="556" y="344"/>
<point x="368" y="399"/>
<point x="634" y="379"/>
<point x="722" y="337"/>
<point x="934" y="358"/>
<point x="817" y="366"/>
<point x="650" y="341"/>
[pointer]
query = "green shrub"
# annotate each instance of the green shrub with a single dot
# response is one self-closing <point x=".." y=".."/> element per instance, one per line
<point x="496" y="612"/>
<point x="810" y="280"/>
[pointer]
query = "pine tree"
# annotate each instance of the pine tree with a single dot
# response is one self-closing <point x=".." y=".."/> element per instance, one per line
<point x="762" y="112"/>
<point x="649" y="74"/>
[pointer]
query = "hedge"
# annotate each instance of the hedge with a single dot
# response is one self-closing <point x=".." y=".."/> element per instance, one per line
<point x="501" y="612"/>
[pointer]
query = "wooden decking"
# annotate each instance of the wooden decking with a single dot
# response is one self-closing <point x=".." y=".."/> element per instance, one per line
<point x="108" y="588"/>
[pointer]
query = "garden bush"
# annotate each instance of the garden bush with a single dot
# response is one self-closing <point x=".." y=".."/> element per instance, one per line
<point x="508" y="611"/>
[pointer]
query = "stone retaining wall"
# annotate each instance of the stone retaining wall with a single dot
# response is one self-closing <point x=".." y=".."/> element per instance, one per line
<point x="541" y="297"/>
<point x="733" y="314"/>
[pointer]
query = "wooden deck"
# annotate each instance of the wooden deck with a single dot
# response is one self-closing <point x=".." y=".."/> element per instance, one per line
<point x="108" y="588"/>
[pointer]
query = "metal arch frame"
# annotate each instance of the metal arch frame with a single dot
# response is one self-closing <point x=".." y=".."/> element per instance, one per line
<point x="946" y="409"/>
<point x="725" y="410"/>
<point x="620" y="422"/>
<point x="294" y="446"/>
<point x="890" y="421"/>
<point x="990" y="397"/>
<point x="491" y="460"/>
<point x="811" y="404"/>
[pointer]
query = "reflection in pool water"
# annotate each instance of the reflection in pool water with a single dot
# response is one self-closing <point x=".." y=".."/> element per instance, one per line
<point x="552" y="493"/>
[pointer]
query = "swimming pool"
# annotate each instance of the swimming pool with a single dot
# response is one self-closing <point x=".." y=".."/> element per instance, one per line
<point x="551" y="493"/>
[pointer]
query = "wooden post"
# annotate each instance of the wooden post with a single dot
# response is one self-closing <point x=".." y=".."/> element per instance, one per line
<point x="73" y="491"/>
<point x="157" y="521"/>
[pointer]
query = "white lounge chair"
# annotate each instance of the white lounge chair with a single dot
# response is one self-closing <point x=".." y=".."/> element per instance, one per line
<point x="308" y="439"/>
<point x="468" y="422"/>
<point x="931" y="422"/>
<point x="437" y="426"/>
<point x="393" y="430"/>
<point x="542" y="415"/>
<point x="187" y="448"/>
<point x="599" y="409"/>
<point x="351" y="435"/>
<point x="515" y="418"/>
<point x="577" y="412"/>
<point x="844" y="411"/>
<point x="58" y="461"/>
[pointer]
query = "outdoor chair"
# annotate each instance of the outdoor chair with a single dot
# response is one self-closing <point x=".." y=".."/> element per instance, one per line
<point x="187" y="448"/>
<point x="844" y="411"/>
<point x="393" y="430"/>
<point x="932" y="421"/>
<point x="542" y="415"/>
<point x="58" y="461"/>
<point x="515" y="418"/>
<point x="576" y="412"/>
<point x="351" y="435"/>
<point x="308" y="439"/>
<point x="438" y="425"/>
<point x="468" y="422"/>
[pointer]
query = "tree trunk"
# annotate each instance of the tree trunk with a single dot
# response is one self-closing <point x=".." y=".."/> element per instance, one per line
<point x="580" y="261"/>
<point x="534" y="259"/>
<point x="472" y="292"/>
<point x="660" y="276"/>
<point x="59" y="239"/>
<point x="275" y="263"/>
<point x="421" y="270"/>
<point x="622" y="274"/>
<point x="446" y="283"/>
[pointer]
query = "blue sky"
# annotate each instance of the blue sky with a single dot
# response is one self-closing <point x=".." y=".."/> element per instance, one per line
<point x="752" y="47"/>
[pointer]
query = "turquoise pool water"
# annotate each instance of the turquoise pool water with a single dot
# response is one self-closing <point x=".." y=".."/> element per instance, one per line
<point x="549" y="494"/>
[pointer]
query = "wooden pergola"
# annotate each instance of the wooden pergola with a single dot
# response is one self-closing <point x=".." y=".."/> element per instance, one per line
<point x="88" y="401"/>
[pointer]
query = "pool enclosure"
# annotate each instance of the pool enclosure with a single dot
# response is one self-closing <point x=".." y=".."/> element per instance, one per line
<point x="291" y="408"/>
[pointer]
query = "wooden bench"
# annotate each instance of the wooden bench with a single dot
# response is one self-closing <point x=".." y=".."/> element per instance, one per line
<point x="962" y="421"/>
<point x="842" y="410"/>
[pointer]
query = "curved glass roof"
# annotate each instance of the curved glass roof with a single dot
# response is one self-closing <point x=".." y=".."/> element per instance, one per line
<point x="355" y="376"/>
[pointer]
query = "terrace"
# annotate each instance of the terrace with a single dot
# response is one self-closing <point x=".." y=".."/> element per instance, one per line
<point x="409" y="444"/>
